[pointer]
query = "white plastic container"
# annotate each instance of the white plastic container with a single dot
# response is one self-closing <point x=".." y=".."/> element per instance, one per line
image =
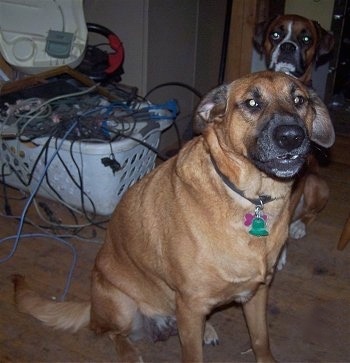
<point x="38" y="35"/>
<point x="77" y="174"/>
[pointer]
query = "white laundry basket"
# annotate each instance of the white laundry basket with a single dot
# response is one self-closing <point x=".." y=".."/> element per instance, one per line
<point x="78" y="174"/>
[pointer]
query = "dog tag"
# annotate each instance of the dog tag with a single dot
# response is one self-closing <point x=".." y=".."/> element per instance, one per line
<point x="257" y="222"/>
<point x="258" y="227"/>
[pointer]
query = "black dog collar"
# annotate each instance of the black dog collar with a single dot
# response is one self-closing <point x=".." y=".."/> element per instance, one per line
<point x="263" y="199"/>
<point x="257" y="220"/>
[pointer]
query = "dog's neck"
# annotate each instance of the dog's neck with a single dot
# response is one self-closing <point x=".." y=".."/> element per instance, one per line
<point x="261" y="200"/>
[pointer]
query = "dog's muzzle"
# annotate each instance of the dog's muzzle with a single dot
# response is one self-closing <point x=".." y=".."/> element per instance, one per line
<point x="287" y="58"/>
<point x="281" y="147"/>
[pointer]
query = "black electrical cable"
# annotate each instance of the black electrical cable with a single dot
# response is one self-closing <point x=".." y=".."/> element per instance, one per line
<point x="177" y="134"/>
<point x="81" y="188"/>
<point x="46" y="157"/>
<point x="68" y="172"/>
<point x="225" y="41"/>
<point x="179" y="84"/>
<point x="143" y="143"/>
<point x="31" y="173"/>
<point x="7" y="206"/>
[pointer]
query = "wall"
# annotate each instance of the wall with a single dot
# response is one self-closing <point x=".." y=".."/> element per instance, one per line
<point x="211" y="18"/>
<point x="320" y="10"/>
<point x="171" y="56"/>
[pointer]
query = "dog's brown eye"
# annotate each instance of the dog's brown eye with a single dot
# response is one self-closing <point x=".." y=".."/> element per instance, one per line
<point x="251" y="103"/>
<point x="275" y="35"/>
<point x="306" y="39"/>
<point x="299" y="100"/>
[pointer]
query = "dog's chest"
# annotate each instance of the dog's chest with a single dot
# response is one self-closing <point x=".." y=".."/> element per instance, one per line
<point x="236" y="285"/>
<point x="244" y="261"/>
<point x="236" y="274"/>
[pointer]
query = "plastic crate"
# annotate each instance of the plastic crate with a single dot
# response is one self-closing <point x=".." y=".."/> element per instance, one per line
<point x="77" y="175"/>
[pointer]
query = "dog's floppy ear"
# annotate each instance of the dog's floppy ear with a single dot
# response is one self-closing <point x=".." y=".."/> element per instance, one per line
<point x="326" y="39"/>
<point x="211" y="108"/>
<point x="325" y="46"/>
<point x="322" y="127"/>
<point x="260" y="34"/>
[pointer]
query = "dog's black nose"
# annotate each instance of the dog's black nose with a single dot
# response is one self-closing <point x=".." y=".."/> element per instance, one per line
<point x="288" y="47"/>
<point x="289" y="137"/>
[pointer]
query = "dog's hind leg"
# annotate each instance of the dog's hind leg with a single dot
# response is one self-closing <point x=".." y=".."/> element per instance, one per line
<point x="114" y="312"/>
<point x="313" y="200"/>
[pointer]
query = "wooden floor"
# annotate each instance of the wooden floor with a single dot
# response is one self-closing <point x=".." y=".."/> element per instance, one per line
<point x="309" y="306"/>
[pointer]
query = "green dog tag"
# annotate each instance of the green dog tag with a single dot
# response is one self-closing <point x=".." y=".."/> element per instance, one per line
<point x="258" y="227"/>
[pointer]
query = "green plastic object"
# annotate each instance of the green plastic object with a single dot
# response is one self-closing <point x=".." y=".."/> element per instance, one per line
<point x="59" y="44"/>
<point x="258" y="228"/>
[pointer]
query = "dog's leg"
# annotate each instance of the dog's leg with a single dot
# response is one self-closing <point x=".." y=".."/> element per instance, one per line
<point x="255" y="314"/>
<point x="190" y="324"/>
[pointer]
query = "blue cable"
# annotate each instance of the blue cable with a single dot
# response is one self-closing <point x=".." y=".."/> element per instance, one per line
<point x="27" y="205"/>
<point x="61" y="240"/>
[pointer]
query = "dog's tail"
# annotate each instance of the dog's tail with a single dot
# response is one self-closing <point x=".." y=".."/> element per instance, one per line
<point x="59" y="315"/>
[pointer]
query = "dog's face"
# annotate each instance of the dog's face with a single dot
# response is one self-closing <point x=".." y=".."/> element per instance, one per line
<point x="269" y="118"/>
<point x="291" y="44"/>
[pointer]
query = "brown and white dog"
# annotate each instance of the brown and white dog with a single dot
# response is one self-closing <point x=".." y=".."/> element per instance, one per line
<point x="293" y="44"/>
<point x="204" y="228"/>
<point x="296" y="45"/>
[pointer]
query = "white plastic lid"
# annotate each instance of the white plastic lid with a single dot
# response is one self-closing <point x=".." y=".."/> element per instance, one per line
<point x="26" y="28"/>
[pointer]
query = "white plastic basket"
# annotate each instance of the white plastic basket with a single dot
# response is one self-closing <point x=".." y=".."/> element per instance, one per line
<point x="77" y="176"/>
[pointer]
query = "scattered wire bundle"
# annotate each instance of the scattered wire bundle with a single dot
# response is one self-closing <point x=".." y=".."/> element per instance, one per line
<point x="97" y="121"/>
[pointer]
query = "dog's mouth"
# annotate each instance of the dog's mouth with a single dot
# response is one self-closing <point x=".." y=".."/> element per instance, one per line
<point x="288" y="68"/>
<point x="288" y="157"/>
<point x="286" y="165"/>
<point x="281" y="147"/>
<point x="284" y="67"/>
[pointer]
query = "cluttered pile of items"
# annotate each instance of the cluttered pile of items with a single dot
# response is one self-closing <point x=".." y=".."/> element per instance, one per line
<point x="63" y="135"/>
<point x="70" y="132"/>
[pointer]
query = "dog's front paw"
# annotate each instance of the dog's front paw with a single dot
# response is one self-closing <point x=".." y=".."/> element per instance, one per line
<point x="297" y="229"/>
<point x="210" y="335"/>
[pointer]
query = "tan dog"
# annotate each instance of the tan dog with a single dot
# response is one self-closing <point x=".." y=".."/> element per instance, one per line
<point x="296" y="45"/>
<point x="205" y="227"/>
